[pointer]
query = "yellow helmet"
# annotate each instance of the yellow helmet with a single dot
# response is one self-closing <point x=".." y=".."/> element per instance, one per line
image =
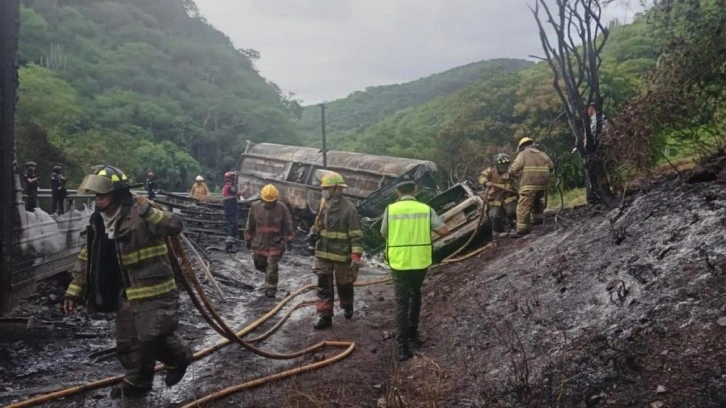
<point x="524" y="141"/>
<point x="332" y="179"/>
<point x="268" y="193"/>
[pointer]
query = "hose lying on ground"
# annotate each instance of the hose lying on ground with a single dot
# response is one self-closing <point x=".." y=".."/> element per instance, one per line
<point x="219" y="326"/>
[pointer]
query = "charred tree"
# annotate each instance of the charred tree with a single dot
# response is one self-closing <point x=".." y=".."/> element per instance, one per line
<point x="574" y="58"/>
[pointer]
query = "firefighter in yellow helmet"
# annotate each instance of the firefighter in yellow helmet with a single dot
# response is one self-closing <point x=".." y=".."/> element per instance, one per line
<point x="532" y="167"/>
<point x="338" y="250"/>
<point x="268" y="233"/>
<point x="124" y="268"/>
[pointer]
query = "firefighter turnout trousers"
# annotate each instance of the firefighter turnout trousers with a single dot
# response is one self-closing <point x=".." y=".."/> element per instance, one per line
<point x="268" y="265"/>
<point x="530" y="209"/>
<point x="146" y="333"/>
<point x="331" y="274"/>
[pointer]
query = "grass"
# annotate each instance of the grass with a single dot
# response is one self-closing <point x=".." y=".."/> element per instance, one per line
<point x="571" y="198"/>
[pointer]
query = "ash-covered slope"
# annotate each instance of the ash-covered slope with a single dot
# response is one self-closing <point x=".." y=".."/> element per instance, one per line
<point x="620" y="308"/>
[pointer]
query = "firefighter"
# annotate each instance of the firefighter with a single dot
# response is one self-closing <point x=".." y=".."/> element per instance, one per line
<point x="150" y="185"/>
<point x="268" y="233"/>
<point x="199" y="188"/>
<point x="231" y="209"/>
<point x="338" y="250"/>
<point x="58" y="190"/>
<point x="532" y="168"/>
<point x="500" y="193"/>
<point x="407" y="226"/>
<point x="124" y="267"/>
<point x="31" y="186"/>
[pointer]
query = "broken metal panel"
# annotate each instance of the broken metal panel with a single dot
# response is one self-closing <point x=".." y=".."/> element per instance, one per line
<point x="202" y="218"/>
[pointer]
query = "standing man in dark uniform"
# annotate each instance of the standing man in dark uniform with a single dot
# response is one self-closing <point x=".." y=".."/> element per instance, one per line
<point x="31" y="186"/>
<point x="407" y="226"/>
<point x="58" y="190"/>
<point x="150" y="186"/>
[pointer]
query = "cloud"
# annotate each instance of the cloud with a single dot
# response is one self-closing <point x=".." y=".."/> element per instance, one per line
<point x="325" y="49"/>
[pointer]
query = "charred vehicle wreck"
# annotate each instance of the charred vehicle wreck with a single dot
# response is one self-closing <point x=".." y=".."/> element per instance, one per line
<point x="372" y="180"/>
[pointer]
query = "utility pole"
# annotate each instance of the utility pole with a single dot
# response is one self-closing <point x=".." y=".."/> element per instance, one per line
<point x="322" y="125"/>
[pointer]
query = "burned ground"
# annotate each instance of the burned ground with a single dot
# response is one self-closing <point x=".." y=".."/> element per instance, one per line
<point x="610" y="308"/>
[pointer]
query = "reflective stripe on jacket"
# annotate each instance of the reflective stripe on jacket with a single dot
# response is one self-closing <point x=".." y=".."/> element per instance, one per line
<point x="497" y="196"/>
<point x="340" y="231"/>
<point x="532" y="167"/>
<point x="408" y="246"/>
<point x="142" y="255"/>
<point x="269" y="229"/>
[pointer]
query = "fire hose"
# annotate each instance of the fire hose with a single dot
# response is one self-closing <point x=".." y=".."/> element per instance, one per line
<point x="182" y="266"/>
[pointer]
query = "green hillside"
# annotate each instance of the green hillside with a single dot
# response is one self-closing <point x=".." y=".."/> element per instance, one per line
<point x="463" y="130"/>
<point x="364" y="108"/>
<point x="143" y="84"/>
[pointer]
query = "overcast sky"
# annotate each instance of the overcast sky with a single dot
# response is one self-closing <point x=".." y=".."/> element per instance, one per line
<point x="325" y="49"/>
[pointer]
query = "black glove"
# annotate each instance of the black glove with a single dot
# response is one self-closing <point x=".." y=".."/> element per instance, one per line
<point x="248" y="244"/>
<point x="289" y="245"/>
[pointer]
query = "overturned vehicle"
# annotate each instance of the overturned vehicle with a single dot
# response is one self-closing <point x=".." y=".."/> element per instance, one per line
<point x="296" y="172"/>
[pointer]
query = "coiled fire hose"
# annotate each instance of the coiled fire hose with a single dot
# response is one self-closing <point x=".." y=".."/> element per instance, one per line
<point x="181" y="263"/>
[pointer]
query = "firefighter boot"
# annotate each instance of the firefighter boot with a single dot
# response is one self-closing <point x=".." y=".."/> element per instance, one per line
<point x="348" y="312"/>
<point x="404" y="352"/>
<point x="174" y="375"/>
<point x="128" y="390"/>
<point x="229" y="247"/>
<point x="270" y="292"/>
<point x="324" y="322"/>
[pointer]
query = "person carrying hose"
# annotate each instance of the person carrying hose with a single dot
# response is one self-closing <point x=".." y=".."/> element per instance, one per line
<point x="124" y="268"/>
<point x="500" y="193"/>
<point x="407" y="226"/>
<point x="337" y="251"/>
<point x="532" y="167"/>
<point x="268" y="233"/>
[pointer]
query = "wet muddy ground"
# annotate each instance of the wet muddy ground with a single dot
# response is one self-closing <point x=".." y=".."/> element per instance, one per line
<point x="617" y="308"/>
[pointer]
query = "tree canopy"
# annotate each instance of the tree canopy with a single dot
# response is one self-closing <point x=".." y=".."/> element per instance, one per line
<point x="144" y="85"/>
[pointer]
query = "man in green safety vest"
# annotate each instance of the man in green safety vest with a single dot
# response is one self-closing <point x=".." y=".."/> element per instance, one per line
<point x="407" y="226"/>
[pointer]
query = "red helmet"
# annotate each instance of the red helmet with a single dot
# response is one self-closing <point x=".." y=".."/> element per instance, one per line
<point x="229" y="175"/>
<point x="150" y="174"/>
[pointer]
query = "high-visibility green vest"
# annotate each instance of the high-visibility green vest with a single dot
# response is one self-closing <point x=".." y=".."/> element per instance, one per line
<point x="409" y="235"/>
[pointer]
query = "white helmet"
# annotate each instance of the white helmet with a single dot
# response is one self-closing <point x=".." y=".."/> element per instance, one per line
<point x="199" y="178"/>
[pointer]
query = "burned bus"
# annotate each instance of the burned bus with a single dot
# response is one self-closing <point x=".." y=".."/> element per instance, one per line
<point x="296" y="172"/>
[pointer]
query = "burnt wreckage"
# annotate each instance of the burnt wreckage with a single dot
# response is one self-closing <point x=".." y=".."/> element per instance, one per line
<point x="296" y="172"/>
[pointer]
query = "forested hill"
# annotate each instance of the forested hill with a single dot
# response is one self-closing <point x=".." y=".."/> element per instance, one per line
<point x="143" y="84"/>
<point x="463" y="130"/>
<point x="364" y="108"/>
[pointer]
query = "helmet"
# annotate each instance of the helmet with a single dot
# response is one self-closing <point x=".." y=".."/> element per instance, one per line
<point x="104" y="180"/>
<point x="56" y="169"/>
<point x="31" y="163"/>
<point x="150" y="174"/>
<point x="268" y="193"/>
<point x="525" y="141"/>
<point x="332" y="179"/>
<point x="502" y="159"/>
<point x="229" y="175"/>
<point x="199" y="178"/>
